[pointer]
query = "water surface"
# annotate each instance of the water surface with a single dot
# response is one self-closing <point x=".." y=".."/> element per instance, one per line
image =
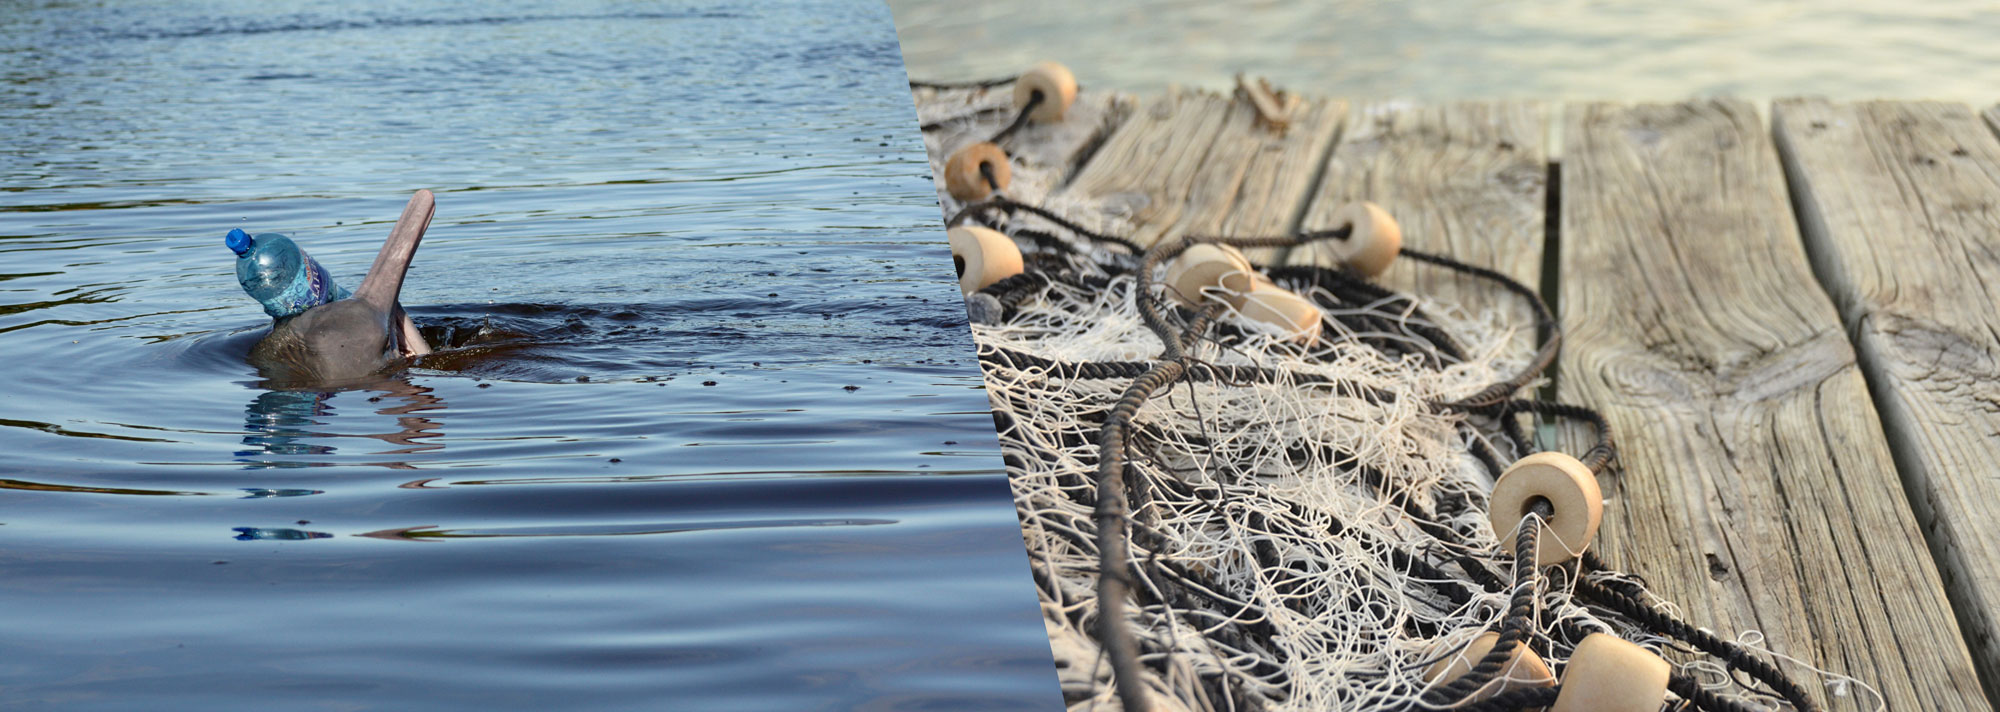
<point x="1443" y="50"/>
<point x="706" y="432"/>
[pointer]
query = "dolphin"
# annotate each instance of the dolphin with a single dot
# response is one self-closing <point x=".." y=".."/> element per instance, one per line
<point x="363" y="335"/>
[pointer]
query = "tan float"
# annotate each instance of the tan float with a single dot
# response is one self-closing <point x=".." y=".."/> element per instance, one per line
<point x="1210" y="265"/>
<point x="1297" y="316"/>
<point x="1523" y="669"/>
<point x="982" y="256"/>
<point x="1570" y="489"/>
<point x="1610" y="674"/>
<point x="1374" y="240"/>
<point x="1058" y="88"/>
<point x="962" y="177"/>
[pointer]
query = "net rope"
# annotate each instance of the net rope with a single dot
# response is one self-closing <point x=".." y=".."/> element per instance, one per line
<point x="1289" y="527"/>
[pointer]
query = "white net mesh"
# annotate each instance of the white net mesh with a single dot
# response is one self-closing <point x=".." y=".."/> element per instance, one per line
<point x="1308" y="528"/>
<point x="1266" y="510"/>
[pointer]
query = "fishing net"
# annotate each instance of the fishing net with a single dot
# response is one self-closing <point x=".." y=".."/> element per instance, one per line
<point x="1221" y="516"/>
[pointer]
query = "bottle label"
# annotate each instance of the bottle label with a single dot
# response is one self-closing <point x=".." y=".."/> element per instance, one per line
<point x="310" y="288"/>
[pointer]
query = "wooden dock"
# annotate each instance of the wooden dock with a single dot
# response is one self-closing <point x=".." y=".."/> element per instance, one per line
<point x="1790" y="317"/>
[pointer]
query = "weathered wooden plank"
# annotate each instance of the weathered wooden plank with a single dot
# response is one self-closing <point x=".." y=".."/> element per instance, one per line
<point x="1196" y="162"/>
<point x="1756" y="489"/>
<point x="1272" y="168"/>
<point x="1467" y="180"/>
<point x="1900" y="205"/>
<point x="1043" y="154"/>
<point x="1992" y="114"/>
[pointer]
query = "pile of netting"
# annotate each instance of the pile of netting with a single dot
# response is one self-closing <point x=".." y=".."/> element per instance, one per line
<point x="1221" y="516"/>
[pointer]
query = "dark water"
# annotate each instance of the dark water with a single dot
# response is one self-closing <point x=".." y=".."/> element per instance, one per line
<point x="706" y="433"/>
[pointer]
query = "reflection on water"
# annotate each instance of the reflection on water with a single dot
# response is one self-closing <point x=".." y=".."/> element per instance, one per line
<point x="260" y="493"/>
<point x="256" y="533"/>
<point x="276" y="423"/>
<point x="1443" y="50"/>
<point x="81" y="489"/>
<point x="704" y="424"/>
<point x="433" y="533"/>
<point x="281" y="423"/>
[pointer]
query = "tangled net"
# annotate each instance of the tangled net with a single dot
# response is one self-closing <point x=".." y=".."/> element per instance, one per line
<point x="1292" y="527"/>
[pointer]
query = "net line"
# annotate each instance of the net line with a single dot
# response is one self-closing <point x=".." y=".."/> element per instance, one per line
<point x="1295" y="527"/>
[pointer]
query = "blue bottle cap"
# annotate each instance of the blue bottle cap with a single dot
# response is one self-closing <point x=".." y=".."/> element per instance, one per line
<point x="238" y="240"/>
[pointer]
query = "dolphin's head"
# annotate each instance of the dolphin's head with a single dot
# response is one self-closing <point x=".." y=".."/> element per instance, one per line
<point x="332" y="343"/>
<point x="358" y="337"/>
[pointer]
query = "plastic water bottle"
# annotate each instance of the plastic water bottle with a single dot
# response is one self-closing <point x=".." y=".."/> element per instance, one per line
<point x="279" y="275"/>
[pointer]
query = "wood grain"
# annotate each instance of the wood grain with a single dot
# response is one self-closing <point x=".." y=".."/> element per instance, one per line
<point x="1197" y="162"/>
<point x="1468" y="180"/>
<point x="1756" y="490"/>
<point x="1900" y="206"/>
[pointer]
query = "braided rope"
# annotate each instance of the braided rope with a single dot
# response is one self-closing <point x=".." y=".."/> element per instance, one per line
<point x="1119" y="494"/>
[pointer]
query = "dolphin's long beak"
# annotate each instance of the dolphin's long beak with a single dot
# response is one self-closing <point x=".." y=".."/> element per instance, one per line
<point x="385" y="278"/>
